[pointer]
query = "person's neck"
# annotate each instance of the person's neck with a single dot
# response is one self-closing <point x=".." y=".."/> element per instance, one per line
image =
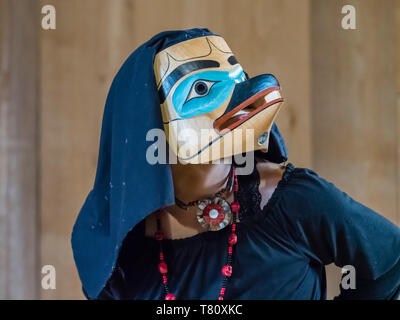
<point x="191" y="182"/>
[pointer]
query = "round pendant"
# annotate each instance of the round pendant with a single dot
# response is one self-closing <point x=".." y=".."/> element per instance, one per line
<point x="214" y="214"/>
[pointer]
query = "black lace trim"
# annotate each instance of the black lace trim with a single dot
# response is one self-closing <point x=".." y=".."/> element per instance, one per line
<point x="249" y="195"/>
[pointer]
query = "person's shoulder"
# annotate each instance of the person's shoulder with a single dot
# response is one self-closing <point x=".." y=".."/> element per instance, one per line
<point x="306" y="180"/>
<point x="315" y="196"/>
<point x="297" y="186"/>
<point x="289" y="177"/>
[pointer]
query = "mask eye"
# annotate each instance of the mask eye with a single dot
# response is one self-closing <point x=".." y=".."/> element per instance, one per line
<point x="200" y="88"/>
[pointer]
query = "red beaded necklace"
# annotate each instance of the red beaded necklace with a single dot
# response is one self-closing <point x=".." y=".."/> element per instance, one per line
<point x="232" y="240"/>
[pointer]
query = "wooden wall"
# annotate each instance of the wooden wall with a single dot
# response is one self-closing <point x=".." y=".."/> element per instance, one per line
<point x="19" y="175"/>
<point x="397" y="68"/>
<point x="354" y="101"/>
<point x="354" y="108"/>
<point x="340" y="115"/>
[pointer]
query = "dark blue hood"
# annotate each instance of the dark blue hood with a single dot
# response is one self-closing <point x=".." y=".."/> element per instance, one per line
<point x="127" y="188"/>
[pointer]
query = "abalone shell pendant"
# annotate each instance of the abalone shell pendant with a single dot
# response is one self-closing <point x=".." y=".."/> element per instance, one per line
<point x="214" y="214"/>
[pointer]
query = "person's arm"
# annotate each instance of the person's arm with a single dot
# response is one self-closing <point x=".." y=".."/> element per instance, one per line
<point x="329" y="226"/>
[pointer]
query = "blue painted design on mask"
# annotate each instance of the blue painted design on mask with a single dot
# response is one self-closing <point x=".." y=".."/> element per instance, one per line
<point x="205" y="91"/>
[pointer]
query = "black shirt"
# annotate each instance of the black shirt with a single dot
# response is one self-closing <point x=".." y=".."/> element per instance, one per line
<point x="281" y="252"/>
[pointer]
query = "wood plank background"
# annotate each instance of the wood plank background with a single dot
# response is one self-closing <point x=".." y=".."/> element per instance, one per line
<point x="341" y="115"/>
<point x="19" y="175"/>
<point x="354" y="109"/>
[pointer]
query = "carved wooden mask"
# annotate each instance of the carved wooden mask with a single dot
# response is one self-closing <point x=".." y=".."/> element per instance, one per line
<point x="206" y="98"/>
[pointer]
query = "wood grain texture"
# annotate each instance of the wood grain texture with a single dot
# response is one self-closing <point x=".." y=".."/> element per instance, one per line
<point x="77" y="69"/>
<point x="354" y="102"/>
<point x="397" y="31"/>
<point x="397" y="26"/>
<point x="354" y="110"/>
<point x="19" y="252"/>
